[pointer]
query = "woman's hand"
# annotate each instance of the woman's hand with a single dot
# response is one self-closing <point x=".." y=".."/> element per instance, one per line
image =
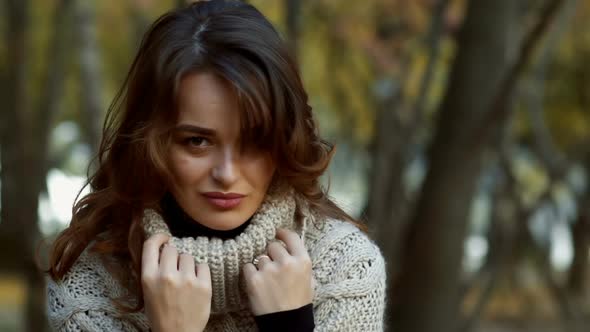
<point x="283" y="281"/>
<point x="177" y="295"/>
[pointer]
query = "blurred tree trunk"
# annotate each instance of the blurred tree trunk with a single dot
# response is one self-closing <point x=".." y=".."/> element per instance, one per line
<point x="579" y="270"/>
<point x="577" y="283"/>
<point x="427" y="293"/>
<point x="473" y="113"/>
<point x="393" y="146"/>
<point x="18" y="226"/>
<point x="90" y="73"/>
<point x="386" y="192"/>
<point x="555" y="160"/>
<point x="24" y="151"/>
<point x="14" y="112"/>
<point x="292" y="18"/>
<point x="502" y="246"/>
<point x="433" y="41"/>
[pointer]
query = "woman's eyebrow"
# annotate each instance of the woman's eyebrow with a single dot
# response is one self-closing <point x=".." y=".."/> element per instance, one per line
<point x="195" y="129"/>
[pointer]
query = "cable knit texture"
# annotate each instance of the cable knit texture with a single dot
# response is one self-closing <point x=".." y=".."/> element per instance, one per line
<point x="348" y="268"/>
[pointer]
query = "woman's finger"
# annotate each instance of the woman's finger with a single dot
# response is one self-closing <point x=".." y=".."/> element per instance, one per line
<point x="293" y="242"/>
<point x="169" y="258"/>
<point x="186" y="265"/>
<point x="249" y="270"/>
<point x="276" y="251"/>
<point x="151" y="252"/>
<point x="262" y="260"/>
<point x="203" y="273"/>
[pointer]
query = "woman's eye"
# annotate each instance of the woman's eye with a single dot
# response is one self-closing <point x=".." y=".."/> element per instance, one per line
<point x="196" y="141"/>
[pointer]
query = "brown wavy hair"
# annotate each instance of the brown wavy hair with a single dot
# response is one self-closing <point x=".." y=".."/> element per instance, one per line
<point x="235" y="41"/>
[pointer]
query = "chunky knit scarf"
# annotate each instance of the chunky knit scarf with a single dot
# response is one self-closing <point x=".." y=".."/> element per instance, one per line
<point x="347" y="266"/>
<point x="226" y="257"/>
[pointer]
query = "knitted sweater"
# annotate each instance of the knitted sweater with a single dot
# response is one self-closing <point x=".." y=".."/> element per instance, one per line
<point x="348" y="268"/>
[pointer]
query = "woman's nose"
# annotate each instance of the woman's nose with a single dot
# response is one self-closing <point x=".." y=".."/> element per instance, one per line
<point x="226" y="171"/>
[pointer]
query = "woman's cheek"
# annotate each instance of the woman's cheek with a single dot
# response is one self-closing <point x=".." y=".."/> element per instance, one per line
<point x="188" y="168"/>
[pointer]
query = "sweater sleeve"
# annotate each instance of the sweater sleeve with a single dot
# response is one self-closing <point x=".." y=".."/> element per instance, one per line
<point x="350" y="271"/>
<point x="296" y="320"/>
<point x="80" y="302"/>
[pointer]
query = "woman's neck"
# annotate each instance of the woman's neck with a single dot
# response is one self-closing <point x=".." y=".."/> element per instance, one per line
<point x="182" y="225"/>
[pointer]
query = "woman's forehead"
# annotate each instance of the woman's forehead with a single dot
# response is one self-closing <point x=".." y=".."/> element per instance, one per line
<point x="206" y="100"/>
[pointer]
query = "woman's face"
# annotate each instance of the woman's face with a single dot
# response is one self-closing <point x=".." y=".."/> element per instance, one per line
<point x="216" y="182"/>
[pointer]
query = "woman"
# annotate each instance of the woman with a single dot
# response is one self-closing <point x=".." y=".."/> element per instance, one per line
<point x="206" y="213"/>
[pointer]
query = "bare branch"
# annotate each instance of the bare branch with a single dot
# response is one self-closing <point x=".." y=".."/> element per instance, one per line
<point x="500" y="111"/>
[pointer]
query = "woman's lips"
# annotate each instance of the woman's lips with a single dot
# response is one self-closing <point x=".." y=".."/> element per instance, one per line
<point x="224" y="200"/>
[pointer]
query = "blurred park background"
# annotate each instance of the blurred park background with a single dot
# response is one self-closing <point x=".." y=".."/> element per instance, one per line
<point x="462" y="131"/>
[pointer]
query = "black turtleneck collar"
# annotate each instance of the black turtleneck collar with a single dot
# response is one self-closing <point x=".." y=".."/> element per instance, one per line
<point x="182" y="225"/>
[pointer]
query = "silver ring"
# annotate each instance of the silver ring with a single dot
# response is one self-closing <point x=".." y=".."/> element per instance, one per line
<point x="256" y="260"/>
